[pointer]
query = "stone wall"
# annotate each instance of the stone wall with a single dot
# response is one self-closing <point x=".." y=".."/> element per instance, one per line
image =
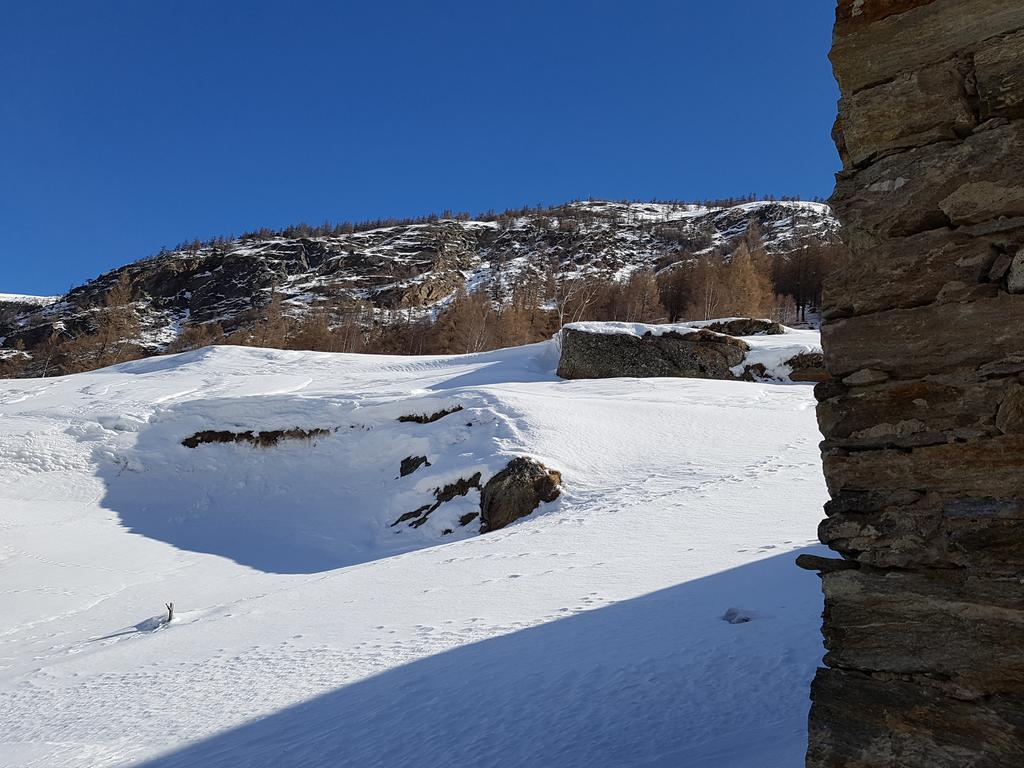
<point x="924" y="418"/>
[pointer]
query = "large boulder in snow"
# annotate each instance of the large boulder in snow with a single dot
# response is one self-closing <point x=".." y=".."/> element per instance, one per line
<point x="698" y="354"/>
<point x="516" y="491"/>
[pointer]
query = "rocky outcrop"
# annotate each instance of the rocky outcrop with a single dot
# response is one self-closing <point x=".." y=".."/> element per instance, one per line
<point x="407" y="267"/>
<point x="697" y="354"/>
<point x="808" y="367"/>
<point x="923" y="450"/>
<point x="442" y="495"/>
<point x="264" y="439"/>
<point x="429" y="418"/>
<point x="697" y="351"/>
<point x="410" y="464"/>
<point x="746" y="326"/>
<point x="516" y="491"/>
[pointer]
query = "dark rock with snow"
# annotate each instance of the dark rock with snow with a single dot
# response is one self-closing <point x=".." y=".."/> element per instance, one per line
<point x="429" y="418"/>
<point x="737" y="616"/>
<point x="516" y="491"/>
<point x="746" y="326"/>
<point x="442" y="495"/>
<point x="698" y="354"/>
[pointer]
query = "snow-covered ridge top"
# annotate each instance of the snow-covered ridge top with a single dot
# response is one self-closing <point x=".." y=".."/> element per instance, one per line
<point x="626" y="212"/>
<point x="22" y="298"/>
<point x="672" y="211"/>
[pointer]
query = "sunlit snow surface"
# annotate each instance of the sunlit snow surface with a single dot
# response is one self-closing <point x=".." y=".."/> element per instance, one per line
<point x="309" y="632"/>
<point x="21" y="298"/>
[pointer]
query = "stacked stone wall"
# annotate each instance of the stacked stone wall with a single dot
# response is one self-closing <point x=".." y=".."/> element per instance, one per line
<point x="923" y="419"/>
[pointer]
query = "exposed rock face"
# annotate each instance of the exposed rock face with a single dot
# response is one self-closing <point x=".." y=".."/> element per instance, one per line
<point x="410" y="464"/>
<point x="409" y="266"/>
<point x="746" y="326"/>
<point x="516" y="491"/>
<point x="429" y="418"/>
<point x="700" y="354"/>
<point x="923" y="419"/>
<point x="442" y="495"/>
<point x="614" y="350"/>
<point x="265" y="439"/>
<point x="808" y="367"/>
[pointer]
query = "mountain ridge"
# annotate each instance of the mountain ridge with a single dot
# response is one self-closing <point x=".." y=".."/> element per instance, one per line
<point x="410" y="270"/>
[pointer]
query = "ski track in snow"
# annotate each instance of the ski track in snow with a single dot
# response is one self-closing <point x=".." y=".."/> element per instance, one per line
<point x="309" y="632"/>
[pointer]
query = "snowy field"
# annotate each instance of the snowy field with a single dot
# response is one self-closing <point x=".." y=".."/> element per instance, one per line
<point x="310" y="632"/>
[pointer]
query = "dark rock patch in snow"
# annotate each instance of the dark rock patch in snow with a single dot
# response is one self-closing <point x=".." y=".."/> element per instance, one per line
<point x="755" y="372"/>
<point x="415" y="513"/>
<point x="460" y="487"/>
<point x="736" y="616"/>
<point x="516" y="491"/>
<point x="265" y="439"/>
<point x="746" y="326"/>
<point x="422" y="418"/>
<point x="411" y="463"/>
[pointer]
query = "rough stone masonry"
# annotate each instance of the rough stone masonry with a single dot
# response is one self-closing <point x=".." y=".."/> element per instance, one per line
<point x="924" y="417"/>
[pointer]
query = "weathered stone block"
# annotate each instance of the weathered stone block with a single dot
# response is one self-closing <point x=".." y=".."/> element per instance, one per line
<point x="1015" y="273"/>
<point x="908" y="413"/>
<point x="808" y="366"/>
<point x="907" y="36"/>
<point x="989" y="468"/>
<point x="908" y="343"/>
<point x="981" y="534"/>
<point x="999" y="71"/>
<point x="860" y="721"/>
<point x="1010" y="416"/>
<point x="977" y="201"/>
<point x="908" y="272"/>
<point x="931" y="187"/>
<point x="884" y="621"/>
<point x="915" y="108"/>
<point x="700" y="354"/>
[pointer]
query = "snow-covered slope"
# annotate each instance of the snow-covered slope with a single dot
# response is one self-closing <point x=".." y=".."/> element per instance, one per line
<point x="311" y="632"/>
<point x="27" y="300"/>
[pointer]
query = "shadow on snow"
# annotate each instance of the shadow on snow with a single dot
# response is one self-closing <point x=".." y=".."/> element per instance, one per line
<point x="658" y="680"/>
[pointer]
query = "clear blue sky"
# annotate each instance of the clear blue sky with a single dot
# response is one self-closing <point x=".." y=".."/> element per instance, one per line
<point x="130" y="125"/>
